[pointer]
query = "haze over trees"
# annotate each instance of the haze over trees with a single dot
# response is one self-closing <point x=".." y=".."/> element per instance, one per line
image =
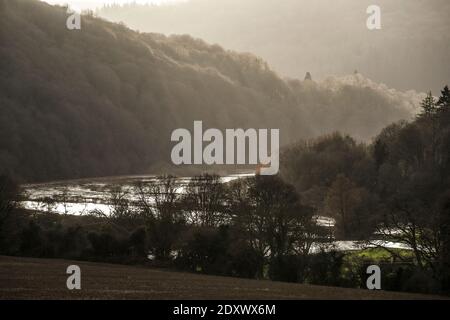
<point x="103" y="100"/>
<point x="321" y="36"/>
<point x="393" y="190"/>
<point x="396" y="189"/>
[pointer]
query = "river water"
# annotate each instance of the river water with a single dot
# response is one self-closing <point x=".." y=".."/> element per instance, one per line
<point x="85" y="195"/>
<point x="82" y="196"/>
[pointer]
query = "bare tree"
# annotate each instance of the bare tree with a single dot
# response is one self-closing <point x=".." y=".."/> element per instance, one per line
<point x="119" y="203"/>
<point x="416" y="227"/>
<point x="204" y="200"/>
<point x="158" y="203"/>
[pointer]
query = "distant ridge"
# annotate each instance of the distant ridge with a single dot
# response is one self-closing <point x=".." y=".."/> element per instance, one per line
<point x="103" y="100"/>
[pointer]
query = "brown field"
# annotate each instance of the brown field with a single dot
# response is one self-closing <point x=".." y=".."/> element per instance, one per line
<point x="30" y="278"/>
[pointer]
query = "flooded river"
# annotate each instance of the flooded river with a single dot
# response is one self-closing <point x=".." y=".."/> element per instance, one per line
<point x="86" y="195"/>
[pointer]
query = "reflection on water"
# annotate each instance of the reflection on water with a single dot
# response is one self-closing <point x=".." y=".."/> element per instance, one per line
<point x="87" y="195"/>
<point x="349" y="245"/>
<point x="84" y="196"/>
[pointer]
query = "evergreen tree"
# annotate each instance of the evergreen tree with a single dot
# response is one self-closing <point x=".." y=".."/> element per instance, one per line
<point x="444" y="100"/>
<point x="428" y="106"/>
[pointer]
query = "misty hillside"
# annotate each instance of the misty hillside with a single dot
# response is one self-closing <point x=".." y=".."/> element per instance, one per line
<point x="103" y="100"/>
<point x="322" y="36"/>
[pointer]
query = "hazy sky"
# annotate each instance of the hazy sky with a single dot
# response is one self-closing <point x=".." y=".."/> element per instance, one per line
<point x="92" y="4"/>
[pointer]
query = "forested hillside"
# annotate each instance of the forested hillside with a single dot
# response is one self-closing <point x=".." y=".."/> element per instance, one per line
<point x="103" y="100"/>
<point x="389" y="203"/>
<point x="321" y="36"/>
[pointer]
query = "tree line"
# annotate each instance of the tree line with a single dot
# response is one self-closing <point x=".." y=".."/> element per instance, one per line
<point x="104" y="101"/>
<point x="395" y="189"/>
